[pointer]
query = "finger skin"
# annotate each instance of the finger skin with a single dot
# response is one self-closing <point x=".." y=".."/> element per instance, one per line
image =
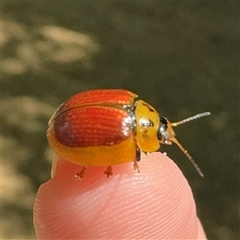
<point x="156" y="203"/>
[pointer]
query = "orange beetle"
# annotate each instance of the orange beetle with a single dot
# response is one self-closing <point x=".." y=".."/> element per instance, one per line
<point x="107" y="127"/>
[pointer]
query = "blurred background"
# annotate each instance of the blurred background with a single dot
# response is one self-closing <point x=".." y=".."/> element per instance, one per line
<point x="183" y="58"/>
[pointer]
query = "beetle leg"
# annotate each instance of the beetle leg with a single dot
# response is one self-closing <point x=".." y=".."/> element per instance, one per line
<point x="136" y="160"/>
<point x="135" y="166"/>
<point x="138" y="155"/>
<point x="81" y="173"/>
<point x="108" y="171"/>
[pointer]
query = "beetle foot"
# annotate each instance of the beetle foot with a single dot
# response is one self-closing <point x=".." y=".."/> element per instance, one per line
<point x="109" y="171"/>
<point x="135" y="166"/>
<point x="81" y="173"/>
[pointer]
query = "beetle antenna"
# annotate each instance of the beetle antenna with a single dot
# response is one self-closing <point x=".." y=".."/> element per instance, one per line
<point x="188" y="156"/>
<point x="204" y="114"/>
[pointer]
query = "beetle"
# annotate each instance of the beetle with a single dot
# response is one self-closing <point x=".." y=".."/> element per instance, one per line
<point x="110" y="126"/>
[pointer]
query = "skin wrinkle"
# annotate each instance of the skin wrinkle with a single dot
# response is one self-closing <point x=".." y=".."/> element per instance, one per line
<point x="152" y="215"/>
<point x="189" y="219"/>
<point x="123" y="207"/>
<point x="105" y="206"/>
<point x="187" y="216"/>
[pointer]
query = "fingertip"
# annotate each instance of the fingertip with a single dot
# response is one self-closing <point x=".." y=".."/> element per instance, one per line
<point x="155" y="203"/>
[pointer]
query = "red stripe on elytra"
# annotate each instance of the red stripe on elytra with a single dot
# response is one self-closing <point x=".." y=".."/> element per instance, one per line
<point x="98" y="97"/>
<point x="92" y="126"/>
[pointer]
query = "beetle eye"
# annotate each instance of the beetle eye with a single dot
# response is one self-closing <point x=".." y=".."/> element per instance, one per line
<point x="163" y="135"/>
<point x="163" y="121"/>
